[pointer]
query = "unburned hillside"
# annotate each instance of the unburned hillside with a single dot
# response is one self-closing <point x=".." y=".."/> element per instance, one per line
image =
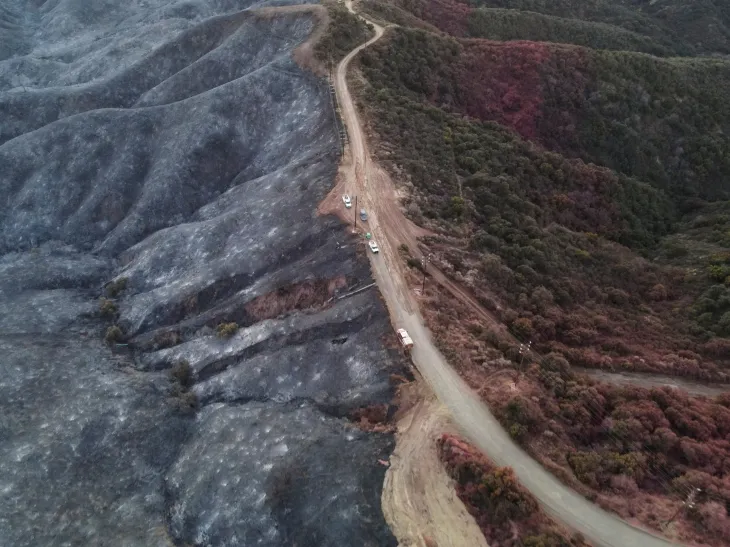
<point x="663" y="121"/>
<point x="576" y="194"/>
<point x="562" y="244"/>
<point x="671" y="27"/>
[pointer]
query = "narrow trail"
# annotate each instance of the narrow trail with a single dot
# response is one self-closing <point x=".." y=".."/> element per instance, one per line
<point x="376" y="192"/>
<point x="649" y="380"/>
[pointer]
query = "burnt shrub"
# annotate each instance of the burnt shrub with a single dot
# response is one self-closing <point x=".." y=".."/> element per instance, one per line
<point x="182" y="377"/>
<point x="182" y="373"/>
<point x="116" y="287"/>
<point x="114" y="335"/>
<point x="107" y="308"/>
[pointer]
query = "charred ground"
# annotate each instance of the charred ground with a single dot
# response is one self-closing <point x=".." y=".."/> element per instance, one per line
<point x="177" y="151"/>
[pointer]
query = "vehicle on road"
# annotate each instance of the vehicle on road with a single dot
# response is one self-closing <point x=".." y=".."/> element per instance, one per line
<point x="404" y="339"/>
<point x="348" y="202"/>
<point x="363" y="215"/>
<point x="373" y="246"/>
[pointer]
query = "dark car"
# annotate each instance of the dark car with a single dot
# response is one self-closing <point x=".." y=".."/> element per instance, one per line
<point x="363" y="215"/>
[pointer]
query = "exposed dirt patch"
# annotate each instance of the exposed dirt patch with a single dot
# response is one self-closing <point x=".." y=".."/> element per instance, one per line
<point x="419" y="500"/>
<point x="656" y="380"/>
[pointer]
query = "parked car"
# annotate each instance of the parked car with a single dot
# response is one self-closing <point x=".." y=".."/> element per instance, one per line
<point x="347" y="201"/>
<point x="373" y="246"/>
<point x="363" y="215"/>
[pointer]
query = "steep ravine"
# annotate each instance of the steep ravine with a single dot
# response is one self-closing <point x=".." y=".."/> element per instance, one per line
<point x="177" y="145"/>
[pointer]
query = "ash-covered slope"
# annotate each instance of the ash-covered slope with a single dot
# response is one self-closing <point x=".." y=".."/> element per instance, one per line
<point x="178" y="146"/>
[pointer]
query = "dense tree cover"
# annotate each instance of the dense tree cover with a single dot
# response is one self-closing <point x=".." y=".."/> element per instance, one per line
<point x="664" y="121"/>
<point x="694" y="27"/>
<point x="629" y="438"/>
<point x="540" y="233"/>
<point x="389" y="12"/>
<point x="507" y="513"/>
<point x="674" y="26"/>
<point x="344" y="32"/>
<point x="700" y="246"/>
<point x="578" y="194"/>
<point x="502" y="24"/>
<point x="460" y="19"/>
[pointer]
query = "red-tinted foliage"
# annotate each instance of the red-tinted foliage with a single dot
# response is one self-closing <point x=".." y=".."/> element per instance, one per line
<point x="504" y="509"/>
<point x="502" y="82"/>
<point x="447" y="15"/>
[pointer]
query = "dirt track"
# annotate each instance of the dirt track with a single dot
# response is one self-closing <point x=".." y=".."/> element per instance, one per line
<point x="360" y="176"/>
<point x="655" y="380"/>
<point x="419" y="498"/>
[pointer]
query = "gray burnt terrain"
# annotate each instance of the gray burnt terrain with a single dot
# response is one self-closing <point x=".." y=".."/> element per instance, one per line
<point x="178" y="146"/>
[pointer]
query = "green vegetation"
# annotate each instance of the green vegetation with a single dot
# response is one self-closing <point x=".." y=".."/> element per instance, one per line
<point x="661" y="121"/>
<point x="344" y="32"/>
<point x="226" y="330"/>
<point x="391" y="13"/>
<point x="696" y="27"/>
<point x="502" y="507"/>
<point x="673" y="26"/>
<point x="543" y="228"/>
<point x="582" y="196"/>
<point x="502" y="24"/>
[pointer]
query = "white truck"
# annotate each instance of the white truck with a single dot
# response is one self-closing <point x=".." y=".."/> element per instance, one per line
<point x="405" y="340"/>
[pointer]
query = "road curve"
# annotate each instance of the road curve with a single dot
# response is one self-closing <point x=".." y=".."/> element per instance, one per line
<point x="471" y="415"/>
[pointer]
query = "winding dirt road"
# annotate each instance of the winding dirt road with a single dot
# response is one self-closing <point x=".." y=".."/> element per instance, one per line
<point x="377" y="193"/>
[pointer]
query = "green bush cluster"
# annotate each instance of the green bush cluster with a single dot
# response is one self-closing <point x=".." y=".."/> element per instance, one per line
<point x="712" y="310"/>
<point x="596" y="469"/>
<point x="107" y="308"/>
<point x="114" y="335"/>
<point x="672" y="24"/>
<point x="116" y="287"/>
<point x="344" y="32"/>
<point x="226" y="330"/>
<point x="507" y="24"/>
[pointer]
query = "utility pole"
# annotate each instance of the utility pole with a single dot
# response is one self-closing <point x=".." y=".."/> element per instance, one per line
<point x="424" y="261"/>
<point x="355" y="225"/>
<point x="689" y="503"/>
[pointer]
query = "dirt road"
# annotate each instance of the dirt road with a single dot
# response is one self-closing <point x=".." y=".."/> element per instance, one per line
<point x="375" y="191"/>
<point x="419" y="498"/>
<point x="654" y="380"/>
